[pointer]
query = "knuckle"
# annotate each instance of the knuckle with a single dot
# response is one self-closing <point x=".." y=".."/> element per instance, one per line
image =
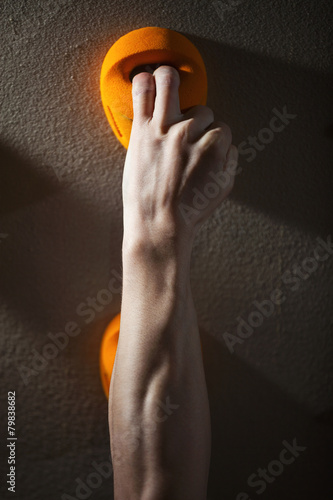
<point x="221" y="136"/>
<point x="140" y="91"/>
<point x="180" y="132"/>
<point x="217" y="135"/>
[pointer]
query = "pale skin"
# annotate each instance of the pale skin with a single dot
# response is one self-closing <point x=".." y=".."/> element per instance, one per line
<point x="158" y="406"/>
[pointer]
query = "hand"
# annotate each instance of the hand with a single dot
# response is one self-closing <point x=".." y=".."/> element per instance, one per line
<point x="179" y="167"/>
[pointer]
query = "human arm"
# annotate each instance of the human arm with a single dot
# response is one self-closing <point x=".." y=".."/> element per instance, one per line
<point x="158" y="356"/>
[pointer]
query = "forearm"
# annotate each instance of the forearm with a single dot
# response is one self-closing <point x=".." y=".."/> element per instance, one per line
<point x="158" y="355"/>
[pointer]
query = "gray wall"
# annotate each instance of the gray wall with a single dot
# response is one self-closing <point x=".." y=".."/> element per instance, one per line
<point x="61" y="231"/>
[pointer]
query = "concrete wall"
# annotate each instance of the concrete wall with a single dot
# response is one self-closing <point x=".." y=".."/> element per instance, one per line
<point x="61" y="231"/>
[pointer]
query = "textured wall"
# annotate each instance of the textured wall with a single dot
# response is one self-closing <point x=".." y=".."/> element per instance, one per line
<point x="61" y="230"/>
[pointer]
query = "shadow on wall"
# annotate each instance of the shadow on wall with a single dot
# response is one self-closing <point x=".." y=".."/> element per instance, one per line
<point x="21" y="185"/>
<point x="251" y="422"/>
<point x="286" y="174"/>
<point x="50" y="260"/>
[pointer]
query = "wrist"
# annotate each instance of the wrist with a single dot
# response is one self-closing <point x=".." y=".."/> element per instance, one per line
<point x="155" y="245"/>
<point x="161" y="232"/>
<point x="155" y="259"/>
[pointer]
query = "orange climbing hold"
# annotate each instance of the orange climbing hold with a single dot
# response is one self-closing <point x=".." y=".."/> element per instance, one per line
<point x="148" y="46"/>
<point x="108" y="352"/>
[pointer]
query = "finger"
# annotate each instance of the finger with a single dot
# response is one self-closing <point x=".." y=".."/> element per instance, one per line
<point x="197" y="119"/>
<point x="218" y="135"/>
<point x="167" y="107"/>
<point x="143" y="95"/>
